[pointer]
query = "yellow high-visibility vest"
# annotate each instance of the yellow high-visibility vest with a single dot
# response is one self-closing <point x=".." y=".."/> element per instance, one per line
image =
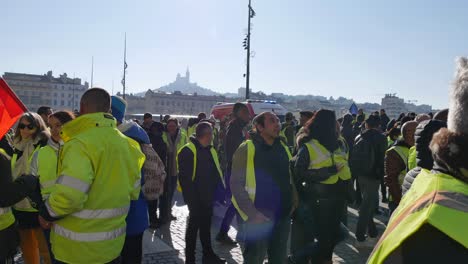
<point x="320" y="157"/>
<point x="6" y="215"/>
<point x="434" y="198"/>
<point x="193" y="148"/>
<point x="99" y="172"/>
<point x="403" y="154"/>
<point x="251" y="183"/>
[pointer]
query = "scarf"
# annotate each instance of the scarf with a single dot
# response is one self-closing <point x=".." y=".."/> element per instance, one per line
<point x="27" y="147"/>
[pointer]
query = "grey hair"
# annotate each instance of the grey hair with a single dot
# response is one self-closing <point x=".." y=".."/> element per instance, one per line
<point x="458" y="107"/>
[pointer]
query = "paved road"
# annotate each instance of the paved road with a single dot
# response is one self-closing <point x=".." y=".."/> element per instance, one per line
<point x="171" y="238"/>
<point x="166" y="245"/>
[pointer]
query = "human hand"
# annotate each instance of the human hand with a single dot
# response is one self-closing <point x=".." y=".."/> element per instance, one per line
<point x="259" y="218"/>
<point x="44" y="224"/>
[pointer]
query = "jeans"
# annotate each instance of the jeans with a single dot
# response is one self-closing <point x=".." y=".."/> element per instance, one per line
<point x="152" y="208"/>
<point x="370" y="196"/>
<point x="133" y="249"/>
<point x="267" y="238"/>
<point x="199" y="220"/>
<point x="303" y="232"/>
<point x="304" y="254"/>
<point x="165" y="207"/>
<point x="328" y="218"/>
<point x="227" y="219"/>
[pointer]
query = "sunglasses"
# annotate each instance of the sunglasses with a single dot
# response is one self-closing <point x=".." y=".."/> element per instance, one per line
<point x="23" y="126"/>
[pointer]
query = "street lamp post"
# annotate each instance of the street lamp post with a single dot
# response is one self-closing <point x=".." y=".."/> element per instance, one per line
<point x="247" y="47"/>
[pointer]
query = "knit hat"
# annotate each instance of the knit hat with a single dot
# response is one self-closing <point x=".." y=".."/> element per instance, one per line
<point x="118" y="106"/>
<point x="458" y="109"/>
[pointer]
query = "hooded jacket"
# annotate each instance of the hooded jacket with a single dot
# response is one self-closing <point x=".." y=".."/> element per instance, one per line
<point x="424" y="160"/>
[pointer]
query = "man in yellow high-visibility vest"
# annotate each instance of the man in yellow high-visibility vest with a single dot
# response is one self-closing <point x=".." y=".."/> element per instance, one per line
<point x="199" y="175"/>
<point x="396" y="163"/>
<point x="99" y="173"/>
<point x="262" y="191"/>
<point x="429" y="225"/>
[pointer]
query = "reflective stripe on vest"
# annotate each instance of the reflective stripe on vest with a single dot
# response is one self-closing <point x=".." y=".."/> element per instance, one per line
<point x="434" y="198"/>
<point x="101" y="213"/>
<point x="74" y="183"/>
<point x="320" y="157"/>
<point x="88" y="237"/>
<point x="250" y="180"/>
<point x="192" y="148"/>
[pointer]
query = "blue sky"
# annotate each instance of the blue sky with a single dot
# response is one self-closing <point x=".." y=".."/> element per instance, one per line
<point x="357" y="49"/>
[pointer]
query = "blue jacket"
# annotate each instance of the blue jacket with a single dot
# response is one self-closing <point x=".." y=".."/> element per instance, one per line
<point x="137" y="218"/>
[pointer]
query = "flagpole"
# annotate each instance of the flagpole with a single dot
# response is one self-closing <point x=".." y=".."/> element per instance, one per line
<point x="92" y="70"/>
<point x="125" y="64"/>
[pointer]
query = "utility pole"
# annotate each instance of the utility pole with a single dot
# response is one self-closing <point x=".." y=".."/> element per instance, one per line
<point x="247" y="47"/>
<point x="125" y="64"/>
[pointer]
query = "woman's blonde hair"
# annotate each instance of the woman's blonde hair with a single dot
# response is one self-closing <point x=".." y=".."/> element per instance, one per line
<point x="37" y="121"/>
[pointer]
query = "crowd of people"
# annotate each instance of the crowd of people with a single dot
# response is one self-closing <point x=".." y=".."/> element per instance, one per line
<point x="83" y="187"/>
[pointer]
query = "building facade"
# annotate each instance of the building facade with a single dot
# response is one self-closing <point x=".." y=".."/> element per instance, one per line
<point x="60" y="93"/>
<point x="393" y="105"/>
<point x="175" y="103"/>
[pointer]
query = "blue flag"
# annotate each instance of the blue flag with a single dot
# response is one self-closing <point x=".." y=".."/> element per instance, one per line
<point x="353" y="109"/>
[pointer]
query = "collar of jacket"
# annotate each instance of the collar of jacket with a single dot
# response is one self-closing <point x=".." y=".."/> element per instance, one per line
<point x="197" y="144"/>
<point x="85" y="122"/>
<point x="402" y="143"/>
<point x="256" y="138"/>
<point x="238" y="122"/>
<point x="54" y="145"/>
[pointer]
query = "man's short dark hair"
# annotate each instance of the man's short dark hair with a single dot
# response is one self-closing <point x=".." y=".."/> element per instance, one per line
<point x="202" y="129"/>
<point x="96" y="100"/>
<point x="307" y="114"/>
<point x="373" y="121"/>
<point x="44" y="110"/>
<point x="201" y="116"/>
<point x="147" y="115"/>
<point x="237" y="108"/>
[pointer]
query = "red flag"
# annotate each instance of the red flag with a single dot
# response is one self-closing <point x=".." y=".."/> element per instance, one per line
<point x="11" y="108"/>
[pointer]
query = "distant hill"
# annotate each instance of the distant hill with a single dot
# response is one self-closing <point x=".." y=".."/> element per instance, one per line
<point x="187" y="89"/>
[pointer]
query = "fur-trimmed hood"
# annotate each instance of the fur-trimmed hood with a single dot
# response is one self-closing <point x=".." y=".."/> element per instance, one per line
<point x="450" y="153"/>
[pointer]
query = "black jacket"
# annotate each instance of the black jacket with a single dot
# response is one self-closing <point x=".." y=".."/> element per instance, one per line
<point x="369" y="155"/>
<point x="234" y="137"/>
<point x="11" y="192"/>
<point x="159" y="146"/>
<point x="384" y="120"/>
<point x="202" y="189"/>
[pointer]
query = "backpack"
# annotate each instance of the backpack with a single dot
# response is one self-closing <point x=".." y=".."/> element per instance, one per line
<point x="362" y="162"/>
<point x="154" y="173"/>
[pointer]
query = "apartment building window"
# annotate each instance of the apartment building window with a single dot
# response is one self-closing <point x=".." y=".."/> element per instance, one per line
<point x="62" y="103"/>
<point x="55" y="102"/>
<point x="63" y="95"/>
